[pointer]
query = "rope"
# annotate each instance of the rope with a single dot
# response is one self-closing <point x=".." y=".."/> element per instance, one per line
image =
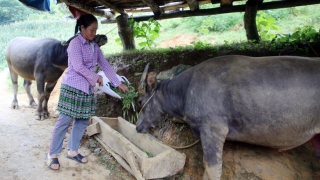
<point x="147" y="102"/>
<point x="312" y="49"/>
<point x="183" y="147"/>
<point x="116" y="26"/>
<point x="111" y="29"/>
<point x="174" y="147"/>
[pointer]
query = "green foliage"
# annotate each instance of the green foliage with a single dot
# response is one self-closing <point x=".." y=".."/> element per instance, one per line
<point x="127" y="102"/>
<point x="118" y="41"/>
<point x="303" y="34"/>
<point x="148" y="31"/>
<point x="11" y="11"/>
<point x="148" y="154"/>
<point x="279" y="14"/>
<point x="205" y="26"/>
<point x="3" y="65"/>
<point x="213" y="23"/>
<point x="266" y="26"/>
<point x="201" y="45"/>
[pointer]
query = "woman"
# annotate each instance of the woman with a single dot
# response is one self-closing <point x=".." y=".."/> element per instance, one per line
<point x="76" y="101"/>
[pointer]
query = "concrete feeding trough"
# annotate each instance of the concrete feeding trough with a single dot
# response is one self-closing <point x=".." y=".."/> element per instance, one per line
<point x="142" y="155"/>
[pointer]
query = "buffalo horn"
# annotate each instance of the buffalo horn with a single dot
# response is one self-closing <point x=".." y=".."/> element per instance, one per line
<point x="142" y="84"/>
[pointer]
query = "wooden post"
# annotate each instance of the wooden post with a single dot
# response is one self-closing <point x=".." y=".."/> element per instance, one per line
<point x="250" y="20"/>
<point x="157" y="11"/>
<point x="125" y="32"/>
<point x="193" y="5"/>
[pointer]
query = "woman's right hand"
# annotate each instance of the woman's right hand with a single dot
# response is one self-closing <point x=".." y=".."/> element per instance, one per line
<point x="100" y="81"/>
<point x="123" y="88"/>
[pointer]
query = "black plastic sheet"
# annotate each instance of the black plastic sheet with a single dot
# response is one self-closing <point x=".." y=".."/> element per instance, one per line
<point x="42" y="5"/>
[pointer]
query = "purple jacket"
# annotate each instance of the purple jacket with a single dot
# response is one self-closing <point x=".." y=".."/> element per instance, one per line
<point x="81" y="63"/>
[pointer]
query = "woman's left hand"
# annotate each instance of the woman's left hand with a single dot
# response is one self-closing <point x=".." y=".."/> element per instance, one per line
<point x="123" y="88"/>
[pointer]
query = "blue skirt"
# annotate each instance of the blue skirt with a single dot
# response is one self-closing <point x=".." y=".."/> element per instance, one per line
<point x="76" y="103"/>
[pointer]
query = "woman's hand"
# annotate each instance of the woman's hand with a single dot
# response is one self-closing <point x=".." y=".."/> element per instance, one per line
<point x="123" y="88"/>
<point x="100" y="81"/>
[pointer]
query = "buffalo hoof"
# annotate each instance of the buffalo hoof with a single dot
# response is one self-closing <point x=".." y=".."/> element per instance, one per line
<point x="33" y="105"/>
<point x="37" y="117"/>
<point x="14" y="105"/>
<point x="45" y="116"/>
<point x="42" y="116"/>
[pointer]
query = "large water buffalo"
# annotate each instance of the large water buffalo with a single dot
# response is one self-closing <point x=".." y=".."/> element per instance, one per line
<point x="267" y="101"/>
<point x="40" y="59"/>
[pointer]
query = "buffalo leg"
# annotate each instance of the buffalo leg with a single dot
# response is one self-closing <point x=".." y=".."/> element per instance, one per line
<point x="27" y="87"/>
<point x="212" y="139"/>
<point x="41" y="97"/>
<point x="14" y="79"/>
<point x="48" y="90"/>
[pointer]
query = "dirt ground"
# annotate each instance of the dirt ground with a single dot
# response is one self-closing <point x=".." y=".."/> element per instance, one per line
<point x="25" y="141"/>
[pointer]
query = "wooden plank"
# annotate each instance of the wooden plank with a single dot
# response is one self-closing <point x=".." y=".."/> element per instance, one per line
<point x="108" y="21"/>
<point x="144" y="141"/>
<point x="93" y="129"/>
<point x="129" y="148"/>
<point x="88" y="9"/>
<point x="167" y="7"/>
<point x="229" y="9"/>
<point x="117" y="141"/>
<point x="112" y="122"/>
<point x="120" y="160"/>
<point x="131" y="158"/>
<point x="119" y="146"/>
<point x="111" y="6"/>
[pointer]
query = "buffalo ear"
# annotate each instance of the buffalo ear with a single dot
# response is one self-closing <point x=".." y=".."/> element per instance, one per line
<point x="152" y="81"/>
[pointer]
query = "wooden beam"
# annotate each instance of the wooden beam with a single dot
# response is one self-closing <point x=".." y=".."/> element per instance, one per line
<point x="108" y="21"/>
<point x="287" y="4"/>
<point x="233" y="9"/>
<point x="88" y="9"/>
<point x="203" y="12"/>
<point x="224" y="3"/>
<point x="111" y="6"/>
<point x="219" y="1"/>
<point x="193" y="5"/>
<point x="154" y="6"/>
<point x="167" y="7"/>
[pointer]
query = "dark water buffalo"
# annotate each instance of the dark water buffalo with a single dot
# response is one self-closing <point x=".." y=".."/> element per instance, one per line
<point x="43" y="60"/>
<point x="267" y="101"/>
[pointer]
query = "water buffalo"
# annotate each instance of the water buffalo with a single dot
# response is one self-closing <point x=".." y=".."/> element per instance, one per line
<point x="267" y="101"/>
<point x="40" y="59"/>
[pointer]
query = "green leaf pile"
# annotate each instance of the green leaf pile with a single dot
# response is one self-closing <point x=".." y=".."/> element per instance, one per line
<point x="127" y="101"/>
<point x="127" y="97"/>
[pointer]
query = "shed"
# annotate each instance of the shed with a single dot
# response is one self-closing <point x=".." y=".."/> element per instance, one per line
<point x="116" y="11"/>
